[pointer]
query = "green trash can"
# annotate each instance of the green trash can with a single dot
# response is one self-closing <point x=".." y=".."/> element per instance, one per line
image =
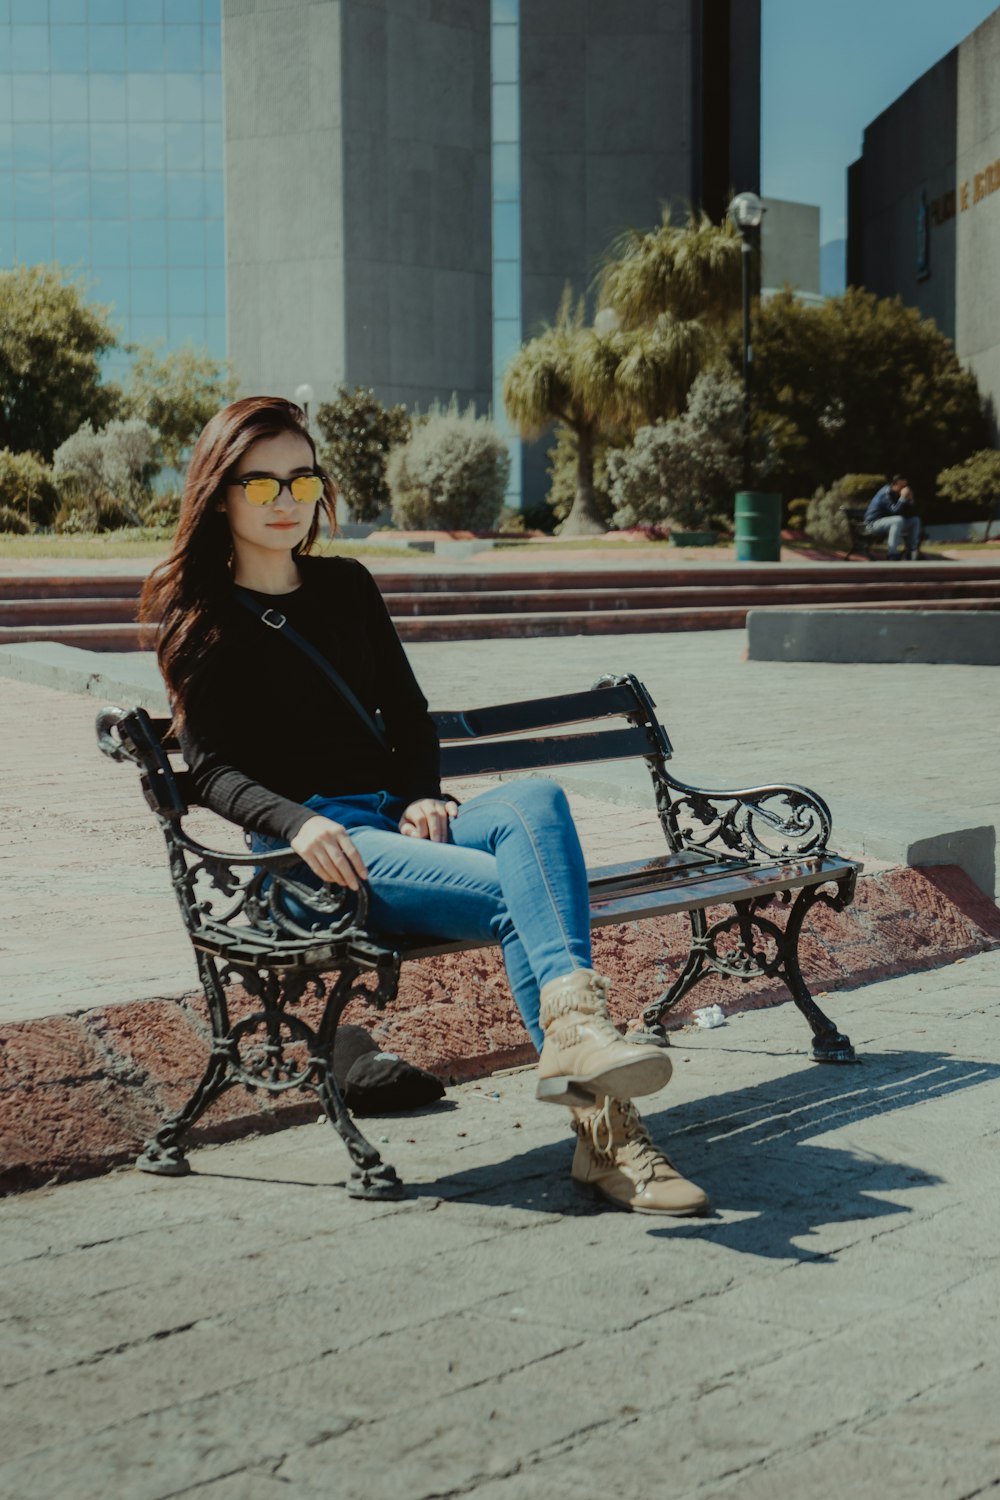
<point x="758" y="526"/>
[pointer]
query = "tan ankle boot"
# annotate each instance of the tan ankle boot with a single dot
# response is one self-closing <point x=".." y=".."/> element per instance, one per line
<point x="583" y="1055"/>
<point x="616" y="1159"/>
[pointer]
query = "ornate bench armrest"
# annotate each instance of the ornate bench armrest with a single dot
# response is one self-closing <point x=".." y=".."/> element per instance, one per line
<point x="751" y="822"/>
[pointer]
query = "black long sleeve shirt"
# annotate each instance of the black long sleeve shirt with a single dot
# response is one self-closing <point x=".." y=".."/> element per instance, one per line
<point x="264" y="729"/>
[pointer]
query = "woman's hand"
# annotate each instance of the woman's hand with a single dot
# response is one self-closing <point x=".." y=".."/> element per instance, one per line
<point x="427" y="818"/>
<point x="330" y="853"/>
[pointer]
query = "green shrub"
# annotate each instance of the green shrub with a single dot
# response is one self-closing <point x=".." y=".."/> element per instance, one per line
<point x="359" y="434"/>
<point x="13" y="523"/>
<point x="27" y="488"/>
<point x="104" y="478"/>
<point x="975" y="483"/>
<point x="796" y="514"/>
<point x="825" y="523"/>
<point x="450" y="474"/>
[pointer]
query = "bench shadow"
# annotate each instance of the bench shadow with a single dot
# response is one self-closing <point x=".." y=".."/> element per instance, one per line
<point x="754" y="1150"/>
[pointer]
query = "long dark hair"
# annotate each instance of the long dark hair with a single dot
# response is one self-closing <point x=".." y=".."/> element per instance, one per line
<point x="184" y="597"/>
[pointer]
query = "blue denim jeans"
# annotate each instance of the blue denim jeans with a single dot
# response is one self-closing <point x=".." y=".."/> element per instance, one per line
<point x="896" y="529"/>
<point x="512" y="872"/>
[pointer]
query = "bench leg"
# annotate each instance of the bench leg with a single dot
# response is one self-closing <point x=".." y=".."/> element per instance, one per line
<point x="829" y="1044"/>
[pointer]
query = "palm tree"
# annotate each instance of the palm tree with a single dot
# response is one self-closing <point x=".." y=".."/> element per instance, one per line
<point x="684" y="271"/>
<point x="599" y="384"/>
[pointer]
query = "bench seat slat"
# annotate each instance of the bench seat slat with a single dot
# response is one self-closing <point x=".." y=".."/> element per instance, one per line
<point x="482" y="759"/>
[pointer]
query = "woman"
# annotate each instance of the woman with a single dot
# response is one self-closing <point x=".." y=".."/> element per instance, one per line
<point x="273" y="747"/>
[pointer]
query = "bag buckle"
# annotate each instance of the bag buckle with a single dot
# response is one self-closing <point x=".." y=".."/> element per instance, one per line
<point x="277" y="622"/>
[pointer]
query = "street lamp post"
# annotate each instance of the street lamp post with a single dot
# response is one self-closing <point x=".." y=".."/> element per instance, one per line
<point x="746" y="212"/>
<point x="303" y="396"/>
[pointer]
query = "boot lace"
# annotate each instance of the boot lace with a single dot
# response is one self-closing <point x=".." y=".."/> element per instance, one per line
<point x="598" y="1130"/>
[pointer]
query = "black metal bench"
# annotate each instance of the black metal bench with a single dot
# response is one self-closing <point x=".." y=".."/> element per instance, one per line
<point x="862" y="540"/>
<point x="743" y="850"/>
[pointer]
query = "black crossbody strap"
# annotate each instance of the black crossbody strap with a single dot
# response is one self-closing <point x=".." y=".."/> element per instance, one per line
<point x="277" y="621"/>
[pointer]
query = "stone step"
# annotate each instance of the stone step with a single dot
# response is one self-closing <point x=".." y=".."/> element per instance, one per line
<point x="129" y="637"/>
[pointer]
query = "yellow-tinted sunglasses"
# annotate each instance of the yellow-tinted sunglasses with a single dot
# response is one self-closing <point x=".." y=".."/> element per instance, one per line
<point x="264" y="489"/>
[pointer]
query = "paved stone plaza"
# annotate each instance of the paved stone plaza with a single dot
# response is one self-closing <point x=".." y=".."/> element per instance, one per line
<point x="250" y="1332"/>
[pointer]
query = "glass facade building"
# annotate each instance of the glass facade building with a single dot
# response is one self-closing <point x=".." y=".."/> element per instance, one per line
<point x="111" y="157"/>
<point x="505" y="141"/>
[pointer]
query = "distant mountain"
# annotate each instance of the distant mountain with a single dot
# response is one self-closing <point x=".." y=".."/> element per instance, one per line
<point x="833" y="268"/>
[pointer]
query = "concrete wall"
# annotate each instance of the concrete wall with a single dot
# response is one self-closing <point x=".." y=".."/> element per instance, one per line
<point x="977" y="287"/>
<point x="284" y="194"/>
<point x="789" y="245"/>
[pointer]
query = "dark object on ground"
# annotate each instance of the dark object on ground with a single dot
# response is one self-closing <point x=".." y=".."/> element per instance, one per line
<point x="749" y="849"/>
<point x="379" y="1083"/>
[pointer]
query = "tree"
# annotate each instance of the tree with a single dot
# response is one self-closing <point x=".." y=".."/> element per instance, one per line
<point x="451" y="473"/>
<point x="976" y="482"/>
<point x="597" y="384"/>
<point x="686" y="271"/>
<point x="51" y="344"/>
<point x="176" y="394"/>
<point x="359" y="434"/>
<point x="860" y="383"/>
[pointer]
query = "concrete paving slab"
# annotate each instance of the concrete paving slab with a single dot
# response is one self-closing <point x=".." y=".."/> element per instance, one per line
<point x="971" y="637"/>
<point x="251" y="1331"/>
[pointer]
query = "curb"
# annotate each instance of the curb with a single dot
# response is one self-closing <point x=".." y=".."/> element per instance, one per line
<point x="79" y="1093"/>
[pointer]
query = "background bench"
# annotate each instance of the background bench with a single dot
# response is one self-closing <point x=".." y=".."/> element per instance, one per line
<point x="746" y="851"/>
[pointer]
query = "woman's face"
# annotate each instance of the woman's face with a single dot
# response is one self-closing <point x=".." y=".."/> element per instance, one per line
<point x="281" y="525"/>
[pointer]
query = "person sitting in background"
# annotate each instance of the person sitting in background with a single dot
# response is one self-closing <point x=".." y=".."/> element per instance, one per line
<point x="891" y="513"/>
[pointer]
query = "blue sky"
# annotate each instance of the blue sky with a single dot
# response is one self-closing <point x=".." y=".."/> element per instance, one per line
<point x="828" y="70"/>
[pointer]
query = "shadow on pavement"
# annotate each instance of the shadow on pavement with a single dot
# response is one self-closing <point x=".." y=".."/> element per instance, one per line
<point x="753" y="1150"/>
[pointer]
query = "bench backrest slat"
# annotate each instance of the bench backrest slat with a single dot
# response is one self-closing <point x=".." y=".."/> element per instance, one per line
<point x="493" y="756"/>
<point x="535" y="713"/>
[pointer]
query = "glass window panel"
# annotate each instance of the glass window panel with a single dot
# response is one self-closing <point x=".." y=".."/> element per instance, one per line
<point x="185" y="147"/>
<point x="6" y="195"/>
<point x="107" y="49"/>
<point x="148" y="242"/>
<point x="70" y="195"/>
<point x="215" y="243"/>
<point x="61" y="11"/>
<point x="186" y="242"/>
<point x="147" y="330"/>
<point x="215" y="291"/>
<point x="506" y="289"/>
<point x="109" y="195"/>
<point x="109" y="148"/>
<point x="68" y="49"/>
<point x="4" y="48"/>
<point x="184" y="10"/>
<point x="211" y="85"/>
<point x="148" y="294"/>
<point x="29" y="48"/>
<point x="213" y="147"/>
<point x="211" y="10"/>
<point x="5" y="110"/>
<point x="186" y="289"/>
<point x="6" y="242"/>
<point x="33" y="195"/>
<point x="215" y="336"/>
<point x="145" y="96"/>
<point x="70" y="148"/>
<point x="109" y="242"/>
<point x="33" y="241"/>
<point x="504" y="11"/>
<point x="506" y="341"/>
<point x="144" y="10"/>
<point x="183" y="49"/>
<point x="212" y="55"/>
<point x="6" y="147"/>
<point x="503" y="54"/>
<point x="506" y="231"/>
<point x="506" y="173"/>
<point x="112" y="287"/>
<point x="187" y="331"/>
<point x="148" y="195"/>
<point x="184" y="100"/>
<point x="71" y="243"/>
<point x="29" y="96"/>
<point x="29" y="10"/>
<point x="147" y="151"/>
<point x="105" y="10"/>
<point x="214" y="195"/>
<point x="70" y="96"/>
<point x="144" y="49"/>
<point x="32" y="147"/>
<point x="107" y="96"/>
<point x="185" y="195"/>
<point x="506" y="112"/>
